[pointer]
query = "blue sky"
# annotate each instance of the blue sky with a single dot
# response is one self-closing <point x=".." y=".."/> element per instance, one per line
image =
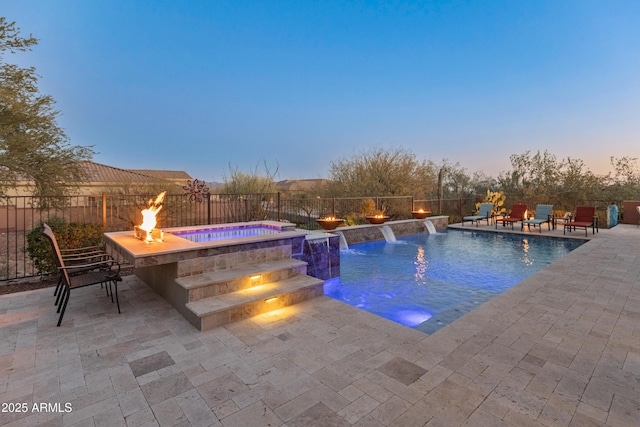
<point x="204" y="85"/>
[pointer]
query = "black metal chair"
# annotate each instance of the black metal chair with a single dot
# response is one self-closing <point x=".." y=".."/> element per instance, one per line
<point x="79" y="256"/>
<point x="90" y="271"/>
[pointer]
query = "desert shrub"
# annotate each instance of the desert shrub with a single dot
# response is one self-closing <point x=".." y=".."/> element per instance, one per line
<point x="68" y="234"/>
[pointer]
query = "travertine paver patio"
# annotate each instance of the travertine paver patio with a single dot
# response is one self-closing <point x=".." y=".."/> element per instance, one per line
<point x="561" y="348"/>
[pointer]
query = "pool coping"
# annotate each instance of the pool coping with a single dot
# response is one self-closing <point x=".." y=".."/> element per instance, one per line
<point x="139" y="253"/>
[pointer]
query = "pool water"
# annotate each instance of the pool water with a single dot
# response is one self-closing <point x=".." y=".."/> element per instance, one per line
<point x="426" y="281"/>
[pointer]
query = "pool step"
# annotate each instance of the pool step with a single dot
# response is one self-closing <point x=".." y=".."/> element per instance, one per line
<point x="222" y="282"/>
<point x="226" y="308"/>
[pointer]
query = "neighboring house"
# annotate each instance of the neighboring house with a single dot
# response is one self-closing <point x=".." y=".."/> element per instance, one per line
<point x="108" y="179"/>
<point x="180" y="178"/>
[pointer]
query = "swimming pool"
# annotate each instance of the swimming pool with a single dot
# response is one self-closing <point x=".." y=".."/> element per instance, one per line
<point x="426" y="281"/>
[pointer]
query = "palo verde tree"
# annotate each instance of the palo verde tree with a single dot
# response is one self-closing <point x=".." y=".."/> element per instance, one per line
<point x="32" y="145"/>
<point x="252" y="182"/>
<point x="382" y="172"/>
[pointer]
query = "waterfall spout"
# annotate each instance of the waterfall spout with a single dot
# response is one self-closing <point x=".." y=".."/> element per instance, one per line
<point x="343" y="241"/>
<point x="430" y="227"/>
<point x="387" y="232"/>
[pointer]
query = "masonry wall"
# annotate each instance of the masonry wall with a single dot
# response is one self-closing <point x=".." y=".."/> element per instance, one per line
<point x="366" y="233"/>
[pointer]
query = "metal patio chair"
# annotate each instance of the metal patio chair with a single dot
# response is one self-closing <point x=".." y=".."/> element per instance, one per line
<point x="517" y="214"/>
<point x="585" y="217"/>
<point x="89" y="272"/>
<point x="542" y="215"/>
<point x="484" y="214"/>
<point x="73" y="256"/>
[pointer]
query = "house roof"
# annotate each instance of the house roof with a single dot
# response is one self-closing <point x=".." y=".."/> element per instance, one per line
<point x="163" y="174"/>
<point x="99" y="173"/>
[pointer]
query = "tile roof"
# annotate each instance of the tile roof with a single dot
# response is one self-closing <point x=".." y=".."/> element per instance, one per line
<point x="163" y="174"/>
<point x="102" y="173"/>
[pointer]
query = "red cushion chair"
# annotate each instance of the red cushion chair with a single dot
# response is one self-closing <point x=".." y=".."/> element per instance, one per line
<point x="585" y="218"/>
<point x="518" y="211"/>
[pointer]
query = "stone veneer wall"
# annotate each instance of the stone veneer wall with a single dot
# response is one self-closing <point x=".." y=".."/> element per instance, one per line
<point x="226" y="261"/>
<point x="160" y="272"/>
<point x="366" y="233"/>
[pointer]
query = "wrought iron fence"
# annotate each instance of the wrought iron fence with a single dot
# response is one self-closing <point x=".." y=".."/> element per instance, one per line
<point x="19" y="215"/>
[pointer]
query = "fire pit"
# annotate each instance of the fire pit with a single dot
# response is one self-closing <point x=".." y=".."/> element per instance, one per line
<point x="377" y="219"/>
<point x="147" y="230"/>
<point x="420" y="214"/>
<point x="330" y="222"/>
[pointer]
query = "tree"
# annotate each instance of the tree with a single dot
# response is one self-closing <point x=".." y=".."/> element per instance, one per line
<point x="541" y="178"/>
<point x="32" y="145"/>
<point x="458" y="184"/>
<point x="250" y="182"/>
<point x="577" y="186"/>
<point x="625" y="182"/>
<point x="381" y="172"/>
<point x="533" y="177"/>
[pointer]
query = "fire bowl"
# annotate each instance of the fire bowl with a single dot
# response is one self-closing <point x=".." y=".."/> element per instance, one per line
<point x="420" y="214"/>
<point x="376" y="219"/>
<point x="330" y="223"/>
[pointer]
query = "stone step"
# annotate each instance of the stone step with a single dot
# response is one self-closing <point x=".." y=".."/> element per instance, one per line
<point x="223" y="309"/>
<point x="221" y="282"/>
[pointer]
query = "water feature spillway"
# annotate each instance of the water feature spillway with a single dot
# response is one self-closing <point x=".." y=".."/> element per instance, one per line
<point x="430" y="227"/>
<point x="343" y="240"/>
<point x="387" y="232"/>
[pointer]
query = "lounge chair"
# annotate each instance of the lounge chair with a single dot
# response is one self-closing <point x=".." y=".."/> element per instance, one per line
<point x="517" y="214"/>
<point x="484" y="213"/>
<point x="543" y="215"/>
<point x="585" y="218"/>
<point x="82" y="274"/>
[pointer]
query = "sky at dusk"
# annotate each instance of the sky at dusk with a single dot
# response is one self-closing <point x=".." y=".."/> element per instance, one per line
<point x="202" y="86"/>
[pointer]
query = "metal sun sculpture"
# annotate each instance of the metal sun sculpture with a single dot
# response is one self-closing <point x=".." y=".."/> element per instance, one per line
<point x="196" y="190"/>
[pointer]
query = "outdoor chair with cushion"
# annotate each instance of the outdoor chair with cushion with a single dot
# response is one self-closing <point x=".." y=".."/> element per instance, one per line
<point x="518" y="211"/>
<point x="543" y="215"/>
<point x="103" y="271"/>
<point x="484" y="213"/>
<point x="585" y="217"/>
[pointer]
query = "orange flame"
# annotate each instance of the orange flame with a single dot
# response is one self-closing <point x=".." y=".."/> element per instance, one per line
<point x="149" y="215"/>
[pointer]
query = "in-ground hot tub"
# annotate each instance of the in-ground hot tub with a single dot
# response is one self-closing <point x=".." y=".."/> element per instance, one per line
<point x="185" y="243"/>
<point x="203" y="251"/>
<point x="229" y="231"/>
